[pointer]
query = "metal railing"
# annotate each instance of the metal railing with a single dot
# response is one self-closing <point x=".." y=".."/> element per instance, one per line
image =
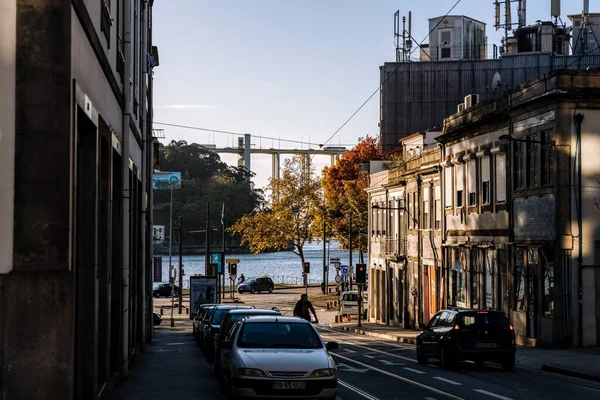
<point x="389" y="246"/>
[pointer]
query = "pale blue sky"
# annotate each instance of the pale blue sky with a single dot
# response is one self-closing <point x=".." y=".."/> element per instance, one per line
<point x="289" y="69"/>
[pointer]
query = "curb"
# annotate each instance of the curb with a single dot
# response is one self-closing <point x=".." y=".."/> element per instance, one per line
<point x="399" y="339"/>
<point x="570" y="372"/>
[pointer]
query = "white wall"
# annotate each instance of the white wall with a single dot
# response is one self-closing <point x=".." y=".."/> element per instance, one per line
<point x="8" y="33"/>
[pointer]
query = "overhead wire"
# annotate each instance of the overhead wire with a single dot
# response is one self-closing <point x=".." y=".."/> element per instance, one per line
<point x="383" y="83"/>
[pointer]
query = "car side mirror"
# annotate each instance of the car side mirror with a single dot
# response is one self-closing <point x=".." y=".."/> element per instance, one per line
<point x="332" y="346"/>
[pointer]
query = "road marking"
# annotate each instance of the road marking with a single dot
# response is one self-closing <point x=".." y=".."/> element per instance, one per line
<point x="400" y="378"/>
<point x="350" y="351"/>
<point x="386" y="362"/>
<point x="492" y="394"/>
<point x="439" y="378"/>
<point x="416" y="371"/>
<point x="357" y="390"/>
<point x="368" y="356"/>
<point x="429" y="398"/>
<point x="346" y="367"/>
<point x="381" y="352"/>
<point x="366" y="338"/>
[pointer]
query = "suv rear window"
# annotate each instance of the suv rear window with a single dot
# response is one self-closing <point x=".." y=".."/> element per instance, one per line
<point x="484" y="319"/>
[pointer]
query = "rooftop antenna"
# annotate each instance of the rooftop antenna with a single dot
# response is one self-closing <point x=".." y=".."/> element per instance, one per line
<point x="555" y="10"/>
<point x="583" y="33"/>
<point x="397" y="34"/>
<point x="522" y="14"/>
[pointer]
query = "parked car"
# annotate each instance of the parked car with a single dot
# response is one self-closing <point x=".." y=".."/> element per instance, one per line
<point x="300" y="366"/>
<point x="257" y="285"/>
<point x="212" y="326"/>
<point x="157" y="318"/>
<point x="164" y="289"/>
<point x="477" y="335"/>
<point x="201" y="313"/>
<point x="231" y="317"/>
<point x="349" y="303"/>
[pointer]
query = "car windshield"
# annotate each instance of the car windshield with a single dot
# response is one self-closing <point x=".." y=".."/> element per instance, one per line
<point x="476" y="319"/>
<point x="284" y="335"/>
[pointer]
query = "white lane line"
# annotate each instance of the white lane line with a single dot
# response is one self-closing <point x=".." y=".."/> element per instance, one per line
<point x="379" y="351"/>
<point x="439" y="378"/>
<point x="357" y="390"/>
<point x="497" y="396"/>
<point x="400" y="378"/>
<point x="416" y="371"/>
<point x="368" y="356"/>
<point x="367" y="338"/>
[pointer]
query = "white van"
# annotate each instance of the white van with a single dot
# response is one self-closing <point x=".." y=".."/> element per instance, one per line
<point x="349" y="303"/>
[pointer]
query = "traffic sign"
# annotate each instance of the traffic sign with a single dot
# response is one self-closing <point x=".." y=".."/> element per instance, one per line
<point x="344" y="269"/>
<point x="338" y="278"/>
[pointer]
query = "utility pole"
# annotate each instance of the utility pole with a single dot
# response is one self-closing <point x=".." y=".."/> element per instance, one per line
<point x="180" y="264"/>
<point x="324" y="259"/>
<point x="222" y="287"/>
<point x="171" y="277"/>
<point x="206" y="252"/>
<point x="350" y="245"/>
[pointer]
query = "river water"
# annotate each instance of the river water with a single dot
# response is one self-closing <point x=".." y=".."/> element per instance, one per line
<point x="282" y="267"/>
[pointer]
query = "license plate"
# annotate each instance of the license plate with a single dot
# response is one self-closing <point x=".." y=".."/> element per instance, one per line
<point x="486" y="345"/>
<point x="289" y="385"/>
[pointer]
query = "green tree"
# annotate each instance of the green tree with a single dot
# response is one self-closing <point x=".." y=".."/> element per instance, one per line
<point x="289" y="215"/>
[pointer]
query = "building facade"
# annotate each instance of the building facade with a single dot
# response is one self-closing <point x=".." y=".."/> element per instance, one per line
<point x="75" y="162"/>
<point x="520" y="228"/>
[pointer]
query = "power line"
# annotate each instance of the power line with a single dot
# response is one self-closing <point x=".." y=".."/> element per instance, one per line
<point x="196" y="128"/>
<point x="383" y="83"/>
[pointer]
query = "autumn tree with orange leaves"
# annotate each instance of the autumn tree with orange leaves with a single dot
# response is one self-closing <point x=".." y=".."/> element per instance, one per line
<point x="344" y="187"/>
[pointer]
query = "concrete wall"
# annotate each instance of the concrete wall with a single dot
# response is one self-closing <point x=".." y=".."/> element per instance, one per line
<point x="8" y="31"/>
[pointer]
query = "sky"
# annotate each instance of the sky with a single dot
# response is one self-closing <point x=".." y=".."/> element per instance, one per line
<point x="288" y="69"/>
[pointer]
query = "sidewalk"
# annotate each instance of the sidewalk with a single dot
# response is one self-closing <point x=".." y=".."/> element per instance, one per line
<point x="172" y="367"/>
<point x="577" y="362"/>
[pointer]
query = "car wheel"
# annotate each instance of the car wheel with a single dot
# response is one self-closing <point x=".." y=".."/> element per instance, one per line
<point x="252" y="290"/>
<point x="446" y="359"/>
<point x="509" y="363"/>
<point x="270" y="290"/>
<point x="421" y="356"/>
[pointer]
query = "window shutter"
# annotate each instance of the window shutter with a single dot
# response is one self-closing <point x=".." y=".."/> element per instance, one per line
<point x="425" y="194"/>
<point x="485" y="169"/>
<point x="500" y="177"/>
<point x="437" y="191"/>
<point x="448" y="187"/>
<point x="472" y="176"/>
<point x="460" y="177"/>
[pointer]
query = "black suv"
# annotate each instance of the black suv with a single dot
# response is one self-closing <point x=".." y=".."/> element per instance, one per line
<point x="164" y="289"/>
<point x="478" y="335"/>
<point x="257" y="285"/>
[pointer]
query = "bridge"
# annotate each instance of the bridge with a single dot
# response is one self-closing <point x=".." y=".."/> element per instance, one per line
<point x="245" y="150"/>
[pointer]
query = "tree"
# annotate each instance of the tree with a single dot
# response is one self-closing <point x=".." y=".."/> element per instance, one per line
<point x="289" y="215"/>
<point x="345" y="197"/>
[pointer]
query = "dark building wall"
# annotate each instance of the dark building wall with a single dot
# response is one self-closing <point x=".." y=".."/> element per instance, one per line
<point x="417" y="96"/>
<point x="37" y="296"/>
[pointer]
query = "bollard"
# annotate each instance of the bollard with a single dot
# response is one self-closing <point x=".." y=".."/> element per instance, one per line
<point x="187" y="310"/>
<point x="161" y="311"/>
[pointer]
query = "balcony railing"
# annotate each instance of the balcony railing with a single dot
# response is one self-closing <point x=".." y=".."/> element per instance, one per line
<point x="389" y="247"/>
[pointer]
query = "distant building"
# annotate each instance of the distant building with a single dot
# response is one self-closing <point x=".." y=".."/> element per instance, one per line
<point x="456" y="37"/>
<point x="585" y="41"/>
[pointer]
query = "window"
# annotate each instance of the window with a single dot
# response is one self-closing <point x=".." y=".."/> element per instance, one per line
<point x="472" y="182"/>
<point x="485" y="180"/>
<point x="448" y="187"/>
<point x="548" y="297"/>
<point x="105" y="20"/>
<point x="411" y="210"/>
<point x="518" y="167"/>
<point x="520" y="280"/>
<point x="500" y="177"/>
<point x="438" y="207"/>
<point x="547" y="159"/>
<point x="460" y="177"/>
<point x="426" y="220"/>
<point x="533" y="162"/>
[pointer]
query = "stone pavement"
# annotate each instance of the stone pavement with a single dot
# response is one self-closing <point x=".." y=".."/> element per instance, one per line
<point x="172" y="367"/>
<point x="577" y="362"/>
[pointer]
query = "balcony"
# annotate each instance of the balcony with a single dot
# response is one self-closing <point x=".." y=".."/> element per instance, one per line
<point x="389" y="247"/>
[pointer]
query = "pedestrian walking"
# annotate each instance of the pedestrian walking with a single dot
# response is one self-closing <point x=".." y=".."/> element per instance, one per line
<point x="303" y="308"/>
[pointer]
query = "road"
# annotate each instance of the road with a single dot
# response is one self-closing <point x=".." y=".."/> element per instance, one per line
<point x="370" y="368"/>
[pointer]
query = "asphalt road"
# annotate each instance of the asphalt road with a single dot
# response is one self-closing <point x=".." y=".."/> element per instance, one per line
<point x="370" y="368"/>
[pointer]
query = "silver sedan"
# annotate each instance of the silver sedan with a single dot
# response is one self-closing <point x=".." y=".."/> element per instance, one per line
<point x="274" y="356"/>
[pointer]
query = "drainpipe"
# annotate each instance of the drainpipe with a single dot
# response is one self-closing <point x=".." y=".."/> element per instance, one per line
<point x="419" y="317"/>
<point x="444" y="277"/>
<point x="127" y="87"/>
<point x="578" y="121"/>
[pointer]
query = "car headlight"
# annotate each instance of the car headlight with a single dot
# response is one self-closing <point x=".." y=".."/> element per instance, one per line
<point x="322" y="373"/>
<point x="251" y="372"/>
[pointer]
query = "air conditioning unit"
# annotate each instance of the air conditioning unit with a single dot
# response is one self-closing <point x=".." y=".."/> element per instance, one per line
<point x="460" y="107"/>
<point x="471" y="100"/>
